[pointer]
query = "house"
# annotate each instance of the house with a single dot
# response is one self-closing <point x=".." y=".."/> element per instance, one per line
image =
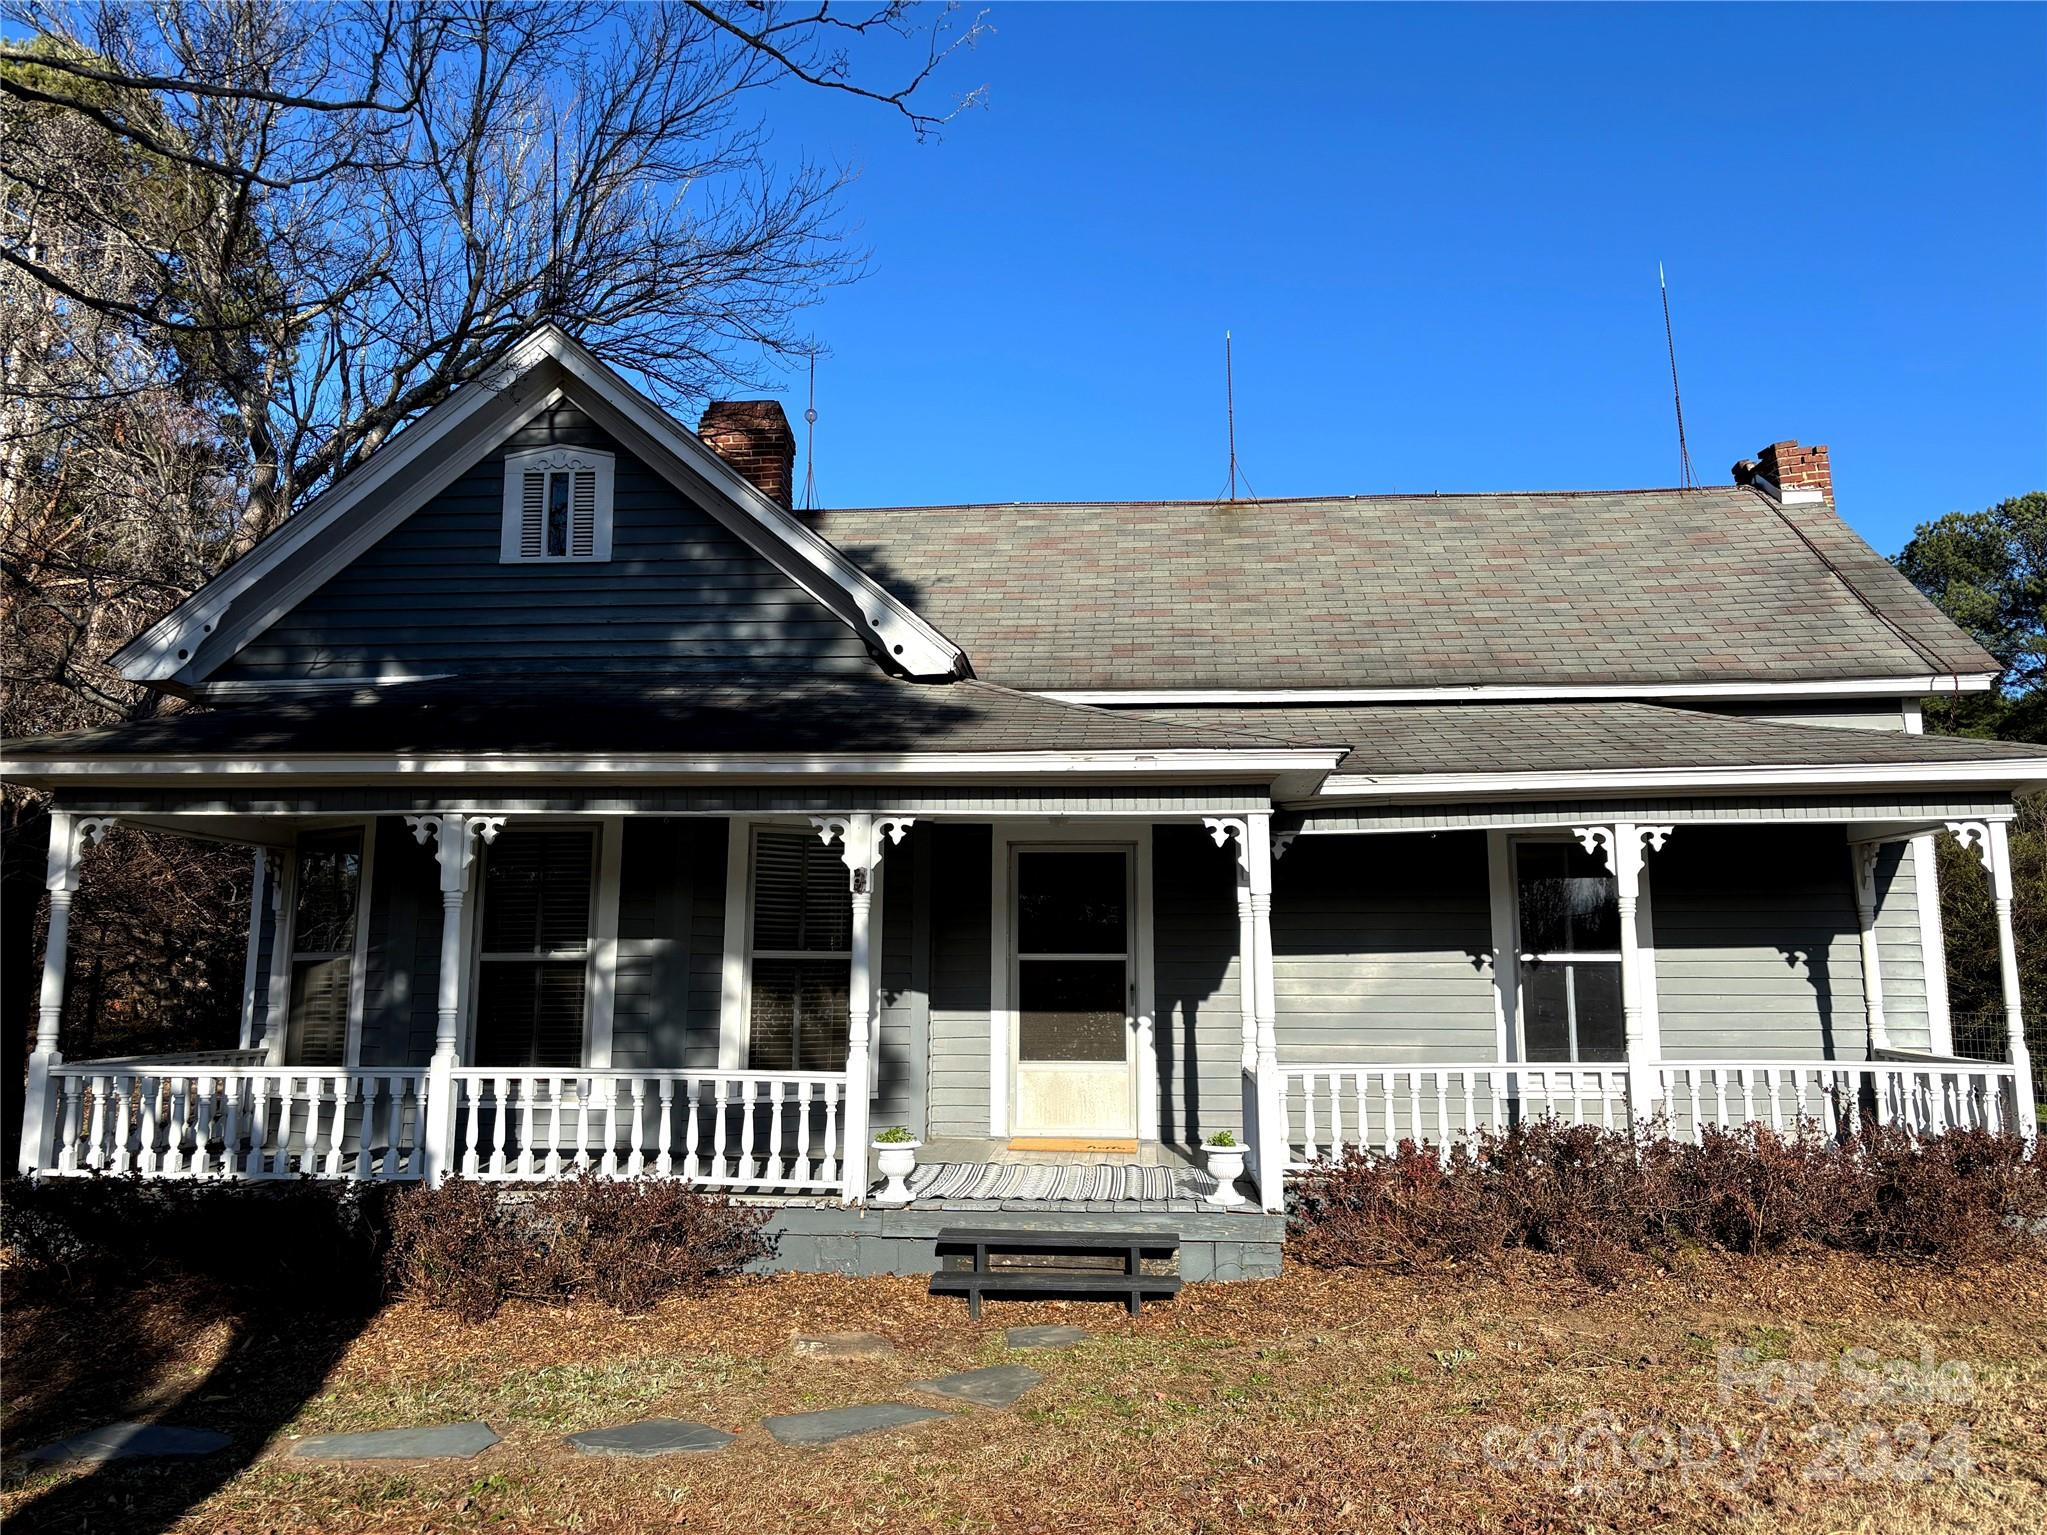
<point x="607" y="811"/>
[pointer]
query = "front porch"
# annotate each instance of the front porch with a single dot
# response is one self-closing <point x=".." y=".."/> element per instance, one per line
<point x="934" y="985"/>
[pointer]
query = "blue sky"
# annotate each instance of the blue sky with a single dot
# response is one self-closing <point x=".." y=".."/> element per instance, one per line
<point x="1434" y="231"/>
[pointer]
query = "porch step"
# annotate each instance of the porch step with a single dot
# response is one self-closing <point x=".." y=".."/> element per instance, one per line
<point x="1054" y="1263"/>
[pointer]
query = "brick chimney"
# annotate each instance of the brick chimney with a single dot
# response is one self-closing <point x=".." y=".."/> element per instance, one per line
<point x="1790" y="473"/>
<point x="753" y="436"/>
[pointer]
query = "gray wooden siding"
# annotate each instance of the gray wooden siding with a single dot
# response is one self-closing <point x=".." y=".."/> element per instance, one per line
<point x="1199" y="1024"/>
<point x="1757" y="950"/>
<point x="671" y="945"/>
<point x="1379" y="948"/>
<point x="958" y="1073"/>
<point x="898" y="1070"/>
<point x="402" y="973"/>
<point x="680" y="593"/>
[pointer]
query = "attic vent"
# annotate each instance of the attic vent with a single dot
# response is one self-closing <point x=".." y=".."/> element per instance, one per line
<point x="557" y="506"/>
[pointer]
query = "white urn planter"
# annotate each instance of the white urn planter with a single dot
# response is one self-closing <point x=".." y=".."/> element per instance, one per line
<point x="1226" y="1166"/>
<point x="895" y="1160"/>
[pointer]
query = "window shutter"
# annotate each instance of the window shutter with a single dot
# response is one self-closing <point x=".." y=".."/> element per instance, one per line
<point x="537" y="891"/>
<point x="319" y="1011"/>
<point x="583" y="514"/>
<point x="800" y="899"/>
<point x="533" y="514"/>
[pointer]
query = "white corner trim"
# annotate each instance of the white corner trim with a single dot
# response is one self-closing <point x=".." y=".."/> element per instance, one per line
<point x="732" y="1025"/>
<point x="1506" y="946"/>
<point x="1940" y="1024"/>
<point x="604" y="942"/>
<point x="251" y="964"/>
<point x="359" y="958"/>
<point x="1505" y="692"/>
<point x="1689" y="780"/>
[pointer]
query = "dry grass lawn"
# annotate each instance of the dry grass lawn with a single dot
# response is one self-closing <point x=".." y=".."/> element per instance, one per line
<point x="1316" y="1402"/>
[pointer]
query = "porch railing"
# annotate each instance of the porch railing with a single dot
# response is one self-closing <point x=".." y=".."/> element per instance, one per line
<point x="188" y="1120"/>
<point x="1326" y="1108"/>
<point x="175" y="1117"/>
<point x="764" y="1131"/>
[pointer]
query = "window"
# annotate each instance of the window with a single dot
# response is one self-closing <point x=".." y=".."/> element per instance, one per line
<point x="557" y="506"/>
<point x="533" y="961"/>
<point x="801" y="946"/>
<point x="323" y="919"/>
<point x="1570" y="954"/>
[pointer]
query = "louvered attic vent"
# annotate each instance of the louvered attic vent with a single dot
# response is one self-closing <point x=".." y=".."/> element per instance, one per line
<point x="557" y="506"/>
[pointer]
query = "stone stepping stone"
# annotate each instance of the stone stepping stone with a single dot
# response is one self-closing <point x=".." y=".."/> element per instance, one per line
<point x="651" y="1436"/>
<point x="844" y="1422"/>
<point x="997" y="1386"/>
<point x="448" y="1441"/>
<point x="130" y="1441"/>
<point x="1044" y="1337"/>
<point x="844" y="1345"/>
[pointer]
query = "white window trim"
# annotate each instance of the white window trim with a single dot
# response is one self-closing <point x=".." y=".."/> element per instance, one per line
<point x="604" y="867"/>
<point x="359" y="961"/>
<point x="1137" y="839"/>
<point x="553" y="459"/>
<point x="1644" y="929"/>
<point x="735" y="1001"/>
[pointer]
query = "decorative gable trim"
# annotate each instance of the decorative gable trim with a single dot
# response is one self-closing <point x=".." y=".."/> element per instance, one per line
<point x="543" y="484"/>
<point x="204" y="632"/>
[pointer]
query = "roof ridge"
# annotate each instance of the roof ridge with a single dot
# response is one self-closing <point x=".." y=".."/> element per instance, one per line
<point x="1216" y="503"/>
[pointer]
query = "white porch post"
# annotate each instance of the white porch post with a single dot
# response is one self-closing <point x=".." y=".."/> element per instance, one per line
<point x="454" y="833"/>
<point x="1272" y="1136"/>
<point x="1224" y="830"/>
<point x="861" y="838"/>
<point x="1626" y="845"/>
<point x="1863" y="856"/>
<point x="70" y="836"/>
<point x="1989" y="841"/>
<point x="251" y="973"/>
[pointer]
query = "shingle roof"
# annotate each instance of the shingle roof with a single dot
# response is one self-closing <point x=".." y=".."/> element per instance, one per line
<point x="558" y="713"/>
<point x="1650" y="586"/>
<point x="1394" y="739"/>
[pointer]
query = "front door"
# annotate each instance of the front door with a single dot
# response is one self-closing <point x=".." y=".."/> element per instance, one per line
<point x="1075" y="1055"/>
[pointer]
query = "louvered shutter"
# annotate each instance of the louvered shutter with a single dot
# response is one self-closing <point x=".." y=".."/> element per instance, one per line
<point x="319" y="1011"/>
<point x="583" y="514"/>
<point x="533" y="514"/>
<point x="797" y="1018"/>
<point x="536" y="901"/>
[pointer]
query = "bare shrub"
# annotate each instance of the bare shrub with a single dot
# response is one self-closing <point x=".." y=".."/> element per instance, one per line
<point x="469" y="1247"/>
<point x="1604" y="1199"/>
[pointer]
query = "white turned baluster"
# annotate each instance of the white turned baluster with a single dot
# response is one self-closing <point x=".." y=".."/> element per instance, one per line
<point x="800" y="1167"/>
<point x="231" y="1127"/>
<point x="309" y="1148"/>
<point x="529" y="1093"/>
<point x="202" y="1136"/>
<point x="772" y="1171"/>
<point x="690" y="1133"/>
<point x="501" y="1140"/>
<point x="70" y="1122"/>
<point x="607" y="1091"/>
<point x="555" y="1091"/>
<point x="1310" y="1149"/>
<point x="636" y="1159"/>
<point x="106" y="1117"/>
<point x="1442" y="1111"/>
<point x="146" y="1160"/>
<point x="829" y="1173"/>
<point x="469" y="1097"/>
<point x="1414" y="1106"/>
<point x="1470" y="1109"/>
<point x="747" y="1169"/>
<point x="582" y="1088"/>
<point x="337" y="1129"/>
<point x="664" y="1163"/>
<point x="717" y="1172"/>
<point x="1387" y="1112"/>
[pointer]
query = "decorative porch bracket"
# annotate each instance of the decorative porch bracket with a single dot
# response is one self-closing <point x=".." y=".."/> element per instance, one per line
<point x="1991" y="844"/>
<point x="1625" y="845"/>
<point x="455" y="834"/>
<point x="1264" y="1123"/>
<point x="70" y="836"/>
<point x="861" y="838"/>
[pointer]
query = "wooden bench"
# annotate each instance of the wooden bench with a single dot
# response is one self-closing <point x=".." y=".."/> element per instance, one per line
<point x="1053" y="1278"/>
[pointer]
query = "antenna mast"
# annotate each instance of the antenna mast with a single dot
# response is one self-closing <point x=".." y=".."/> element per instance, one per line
<point x="1230" y="406"/>
<point x="810" y="442"/>
<point x="1684" y="453"/>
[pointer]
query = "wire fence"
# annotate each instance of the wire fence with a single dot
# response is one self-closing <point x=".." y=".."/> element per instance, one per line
<point x="1981" y="1036"/>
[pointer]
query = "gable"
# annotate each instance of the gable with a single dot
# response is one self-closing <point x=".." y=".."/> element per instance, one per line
<point x="679" y="593"/>
<point x="188" y="649"/>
